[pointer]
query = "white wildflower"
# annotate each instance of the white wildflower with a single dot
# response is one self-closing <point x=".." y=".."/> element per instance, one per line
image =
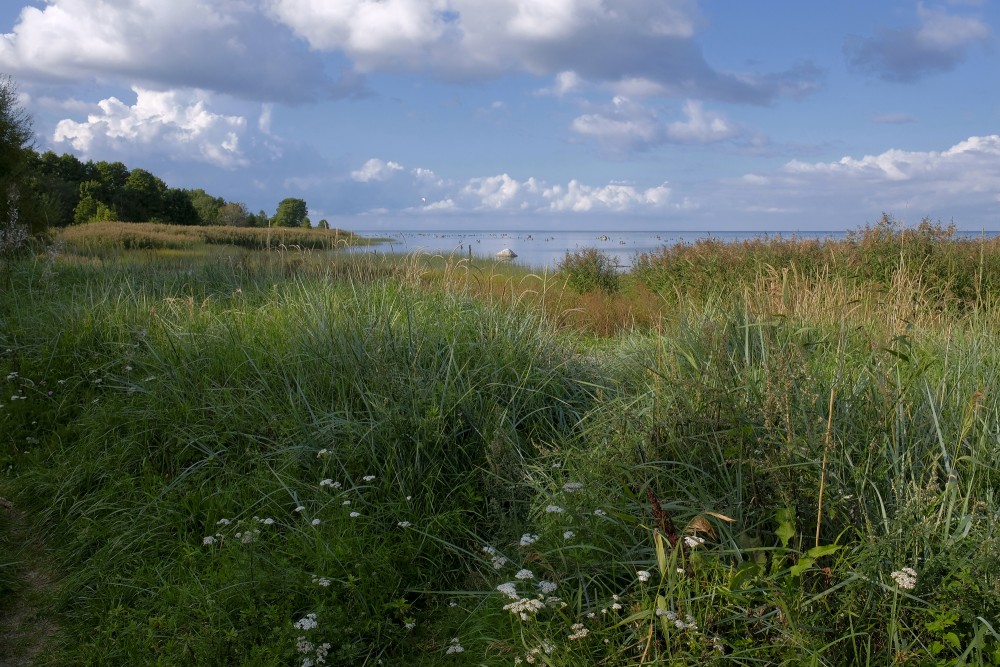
<point x="456" y="646"/>
<point x="369" y="478"/>
<point x="308" y="622"/>
<point x="346" y="503"/>
<point x="329" y="482"/>
<point x="355" y="515"/>
<point x="300" y="508"/>
<point x="570" y="487"/>
<point x="524" y="574"/>
<point x="322" y="453"/>
<point x="525" y="607"/>
<point x="410" y="624"/>
<point x="553" y="509"/>
<point x="569" y="535"/>
<point x="404" y="524"/>
<point x="643" y="575"/>
<point x="905" y="578"/>
<point x="546" y="587"/>
<point x="208" y="540"/>
<point x="600" y="512"/>
<point x="528" y="539"/>
<point x="315" y="522"/>
<point x="509" y="589"/>
<point x="267" y="522"/>
<point x="693" y="541"/>
<point x="579" y="632"/>
<point x="223" y="522"/>
<point x="321" y="581"/>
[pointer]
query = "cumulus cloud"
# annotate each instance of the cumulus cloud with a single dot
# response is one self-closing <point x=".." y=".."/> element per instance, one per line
<point x="651" y="41"/>
<point x="375" y="170"/>
<point x="626" y="125"/>
<point x="963" y="177"/>
<point x="178" y="122"/>
<point x="500" y="193"/>
<point x="225" y="46"/>
<point x="938" y="44"/>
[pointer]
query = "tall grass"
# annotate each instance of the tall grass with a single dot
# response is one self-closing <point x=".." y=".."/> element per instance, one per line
<point x="291" y="460"/>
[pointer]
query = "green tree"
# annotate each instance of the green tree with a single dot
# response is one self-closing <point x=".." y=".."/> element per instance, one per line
<point x="234" y="214"/>
<point x="206" y="205"/>
<point x="15" y="149"/>
<point x="324" y="224"/>
<point x="143" y="197"/>
<point x="291" y="213"/>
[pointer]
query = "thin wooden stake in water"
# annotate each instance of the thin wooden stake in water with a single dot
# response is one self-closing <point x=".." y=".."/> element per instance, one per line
<point x="822" y="476"/>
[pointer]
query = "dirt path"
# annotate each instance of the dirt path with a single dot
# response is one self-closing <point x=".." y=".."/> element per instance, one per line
<point x="24" y="632"/>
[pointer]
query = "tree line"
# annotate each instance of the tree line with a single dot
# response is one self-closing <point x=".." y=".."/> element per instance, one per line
<point x="43" y="190"/>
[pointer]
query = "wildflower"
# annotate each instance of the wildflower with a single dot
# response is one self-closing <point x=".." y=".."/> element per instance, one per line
<point x="223" y="522"/>
<point x="600" y="512"/>
<point x="346" y="503"/>
<point x="208" y="540"/>
<point x="456" y="646"/>
<point x="570" y="487"/>
<point x="300" y="508"/>
<point x="905" y="578"/>
<point x="524" y="607"/>
<point x="321" y="581"/>
<point x="322" y="453"/>
<point x="643" y="575"/>
<point x="509" y="589"/>
<point x="329" y="482"/>
<point x="315" y="522"/>
<point x="524" y="574"/>
<point x="369" y="478"/>
<point x="404" y="524"/>
<point x="308" y="622"/>
<point x="267" y="522"/>
<point x="579" y="632"/>
<point x="693" y="541"/>
<point x="616" y="606"/>
<point x="355" y="515"/>
<point x="410" y="624"/>
<point x="569" y="535"/>
<point x="546" y="586"/>
<point x="409" y="498"/>
<point x="553" y="509"/>
<point x="528" y="539"/>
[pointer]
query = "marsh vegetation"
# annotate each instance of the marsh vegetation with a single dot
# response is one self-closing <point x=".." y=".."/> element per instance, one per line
<point x="775" y="452"/>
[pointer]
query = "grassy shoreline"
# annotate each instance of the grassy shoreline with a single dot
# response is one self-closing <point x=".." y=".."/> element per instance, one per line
<point x="728" y="456"/>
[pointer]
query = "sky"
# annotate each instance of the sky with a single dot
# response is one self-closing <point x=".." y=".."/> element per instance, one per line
<point x="532" y="114"/>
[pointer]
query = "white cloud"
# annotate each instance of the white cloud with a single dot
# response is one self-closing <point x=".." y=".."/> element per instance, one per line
<point x="177" y="122"/>
<point x="962" y="178"/>
<point x="375" y="170"/>
<point x="648" y="41"/>
<point x="219" y="45"/>
<point x="501" y="193"/>
<point x="626" y="125"/>
<point x="701" y="127"/>
<point x="938" y="44"/>
<point x="612" y="197"/>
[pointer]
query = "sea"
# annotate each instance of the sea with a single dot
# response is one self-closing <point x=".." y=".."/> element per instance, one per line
<point x="545" y="249"/>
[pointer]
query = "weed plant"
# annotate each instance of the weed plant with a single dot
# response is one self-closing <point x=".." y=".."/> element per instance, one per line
<point x="291" y="459"/>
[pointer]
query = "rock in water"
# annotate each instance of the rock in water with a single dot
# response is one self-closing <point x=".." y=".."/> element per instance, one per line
<point x="507" y="253"/>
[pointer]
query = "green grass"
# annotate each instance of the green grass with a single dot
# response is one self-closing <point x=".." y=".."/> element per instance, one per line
<point x="214" y="449"/>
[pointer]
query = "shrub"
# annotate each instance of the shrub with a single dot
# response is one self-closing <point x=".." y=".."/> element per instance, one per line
<point x="589" y="270"/>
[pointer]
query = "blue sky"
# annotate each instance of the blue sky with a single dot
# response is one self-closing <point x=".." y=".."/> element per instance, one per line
<point x="563" y="114"/>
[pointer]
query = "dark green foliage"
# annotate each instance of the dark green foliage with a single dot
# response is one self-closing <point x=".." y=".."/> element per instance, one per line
<point x="291" y="213"/>
<point x="590" y="270"/>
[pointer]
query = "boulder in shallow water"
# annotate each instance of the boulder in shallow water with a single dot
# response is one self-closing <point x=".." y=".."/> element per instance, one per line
<point x="507" y="253"/>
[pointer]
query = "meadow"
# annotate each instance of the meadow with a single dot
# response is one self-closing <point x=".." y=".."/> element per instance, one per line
<point x="772" y="452"/>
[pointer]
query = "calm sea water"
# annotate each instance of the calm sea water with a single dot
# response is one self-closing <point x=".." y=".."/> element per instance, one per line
<point x="546" y="248"/>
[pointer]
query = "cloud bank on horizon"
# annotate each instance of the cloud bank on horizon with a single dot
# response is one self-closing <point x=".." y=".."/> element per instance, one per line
<point x="649" y="113"/>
